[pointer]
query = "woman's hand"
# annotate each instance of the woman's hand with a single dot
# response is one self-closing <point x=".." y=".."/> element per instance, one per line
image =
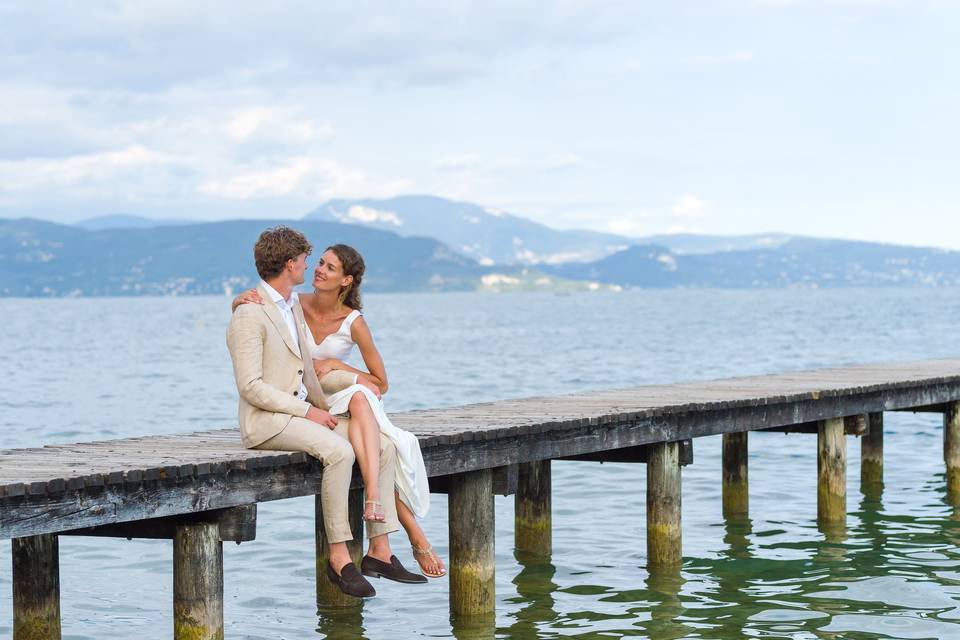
<point x="251" y="296"/>
<point x="325" y="366"/>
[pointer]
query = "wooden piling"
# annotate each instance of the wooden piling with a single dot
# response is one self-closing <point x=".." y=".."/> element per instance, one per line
<point x="663" y="506"/>
<point x="197" y="582"/>
<point x="532" y="509"/>
<point x="871" y="455"/>
<point x="471" y="524"/>
<point x="831" y="473"/>
<point x="328" y="594"/>
<point x="736" y="489"/>
<point x="951" y="450"/>
<point x="36" y="588"/>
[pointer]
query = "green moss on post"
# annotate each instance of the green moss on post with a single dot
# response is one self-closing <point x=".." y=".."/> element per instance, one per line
<point x="951" y="451"/>
<point x="36" y="588"/>
<point x="663" y="506"/>
<point x="471" y="524"/>
<point x="831" y="473"/>
<point x="532" y="509"/>
<point x="871" y="456"/>
<point x="328" y="594"/>
<point x="197" y="582"/>
<point x="736" y="488"/>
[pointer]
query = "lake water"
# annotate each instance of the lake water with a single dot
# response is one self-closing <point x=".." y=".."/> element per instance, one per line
<point x="84" y="369"/>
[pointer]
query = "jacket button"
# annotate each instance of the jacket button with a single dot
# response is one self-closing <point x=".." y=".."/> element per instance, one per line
<point x="300" y="373"/>
<point x="296" y="393"/>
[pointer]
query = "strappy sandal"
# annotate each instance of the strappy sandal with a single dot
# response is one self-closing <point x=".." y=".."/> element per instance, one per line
<point x="430" y="555"/>
<point x="373" y="513"/>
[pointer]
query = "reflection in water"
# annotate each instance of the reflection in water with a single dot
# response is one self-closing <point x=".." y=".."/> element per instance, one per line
<point x="345" y="623"/>
<point x="480" y="627"/>
<point x="535" y="588"/>
<point x="663" y="586"/>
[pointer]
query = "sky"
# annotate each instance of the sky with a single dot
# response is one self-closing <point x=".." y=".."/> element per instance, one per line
<point x="831" y="118"/>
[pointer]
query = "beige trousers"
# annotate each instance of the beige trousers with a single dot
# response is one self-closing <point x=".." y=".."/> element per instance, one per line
<point x="333" y="449"/>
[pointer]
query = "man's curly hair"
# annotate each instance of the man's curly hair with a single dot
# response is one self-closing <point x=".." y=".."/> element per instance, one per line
<point x="275" y="246"/>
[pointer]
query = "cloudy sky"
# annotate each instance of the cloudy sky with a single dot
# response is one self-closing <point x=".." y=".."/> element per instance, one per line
<point x="823" y="117"/>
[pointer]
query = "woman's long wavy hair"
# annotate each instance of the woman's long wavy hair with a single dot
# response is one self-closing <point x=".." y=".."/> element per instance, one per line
<point x="352" y="263"/>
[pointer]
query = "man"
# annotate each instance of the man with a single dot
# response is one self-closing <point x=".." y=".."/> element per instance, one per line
<point x="282" y="406"/>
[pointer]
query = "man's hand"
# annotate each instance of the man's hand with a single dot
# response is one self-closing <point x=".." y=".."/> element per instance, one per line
<point x="321" y="417"/>
<point x="371" y="386"/>
<point x="325" y="366"/>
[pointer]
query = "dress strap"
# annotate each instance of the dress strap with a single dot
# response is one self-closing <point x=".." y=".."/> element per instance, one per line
<point x="348" y="321"/>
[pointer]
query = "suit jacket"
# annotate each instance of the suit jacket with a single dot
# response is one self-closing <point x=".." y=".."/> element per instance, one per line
<point x="269" y="369"/>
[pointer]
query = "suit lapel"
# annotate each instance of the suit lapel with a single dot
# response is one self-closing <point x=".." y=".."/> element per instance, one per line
<point x="310" y="380"/>
<point x="270" y="308"/>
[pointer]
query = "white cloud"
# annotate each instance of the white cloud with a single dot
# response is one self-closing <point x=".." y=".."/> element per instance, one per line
<point x="83" y="170"/>
<point x="282" y="125"/>
<point x="689" y="206"/>
<point x="306" y="177"/>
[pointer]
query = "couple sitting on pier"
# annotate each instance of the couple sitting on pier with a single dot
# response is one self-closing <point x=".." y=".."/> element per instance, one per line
<point x="298" y="394"/>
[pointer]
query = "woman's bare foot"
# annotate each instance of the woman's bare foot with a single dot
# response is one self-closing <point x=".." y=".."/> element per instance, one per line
<point x="430" y="563"/>
<point x="373" y="511"/>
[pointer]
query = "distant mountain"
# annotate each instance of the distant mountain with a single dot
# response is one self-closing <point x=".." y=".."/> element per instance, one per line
<point x="690" y="243"/>
<point x="485" y="235"/>
<point x="800" y="262"/>
<point x="44" y="259"/>
<point x="123" y="221"/>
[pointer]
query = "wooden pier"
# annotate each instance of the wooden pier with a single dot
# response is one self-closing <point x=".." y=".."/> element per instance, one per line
<point x="200" y="489"/>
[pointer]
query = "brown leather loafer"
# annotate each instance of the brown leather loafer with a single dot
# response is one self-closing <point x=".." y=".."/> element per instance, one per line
<point x="350" y="581"/>
<point x="392" y="570"/>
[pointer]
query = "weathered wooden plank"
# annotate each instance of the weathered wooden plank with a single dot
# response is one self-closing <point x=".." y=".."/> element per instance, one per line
<point x="89" y="484"/>
<point x="638" y="454"/>
<point x="236" y="524"/>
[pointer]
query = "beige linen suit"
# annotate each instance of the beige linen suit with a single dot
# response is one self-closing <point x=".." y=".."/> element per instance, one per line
<point x="269" y="369"/>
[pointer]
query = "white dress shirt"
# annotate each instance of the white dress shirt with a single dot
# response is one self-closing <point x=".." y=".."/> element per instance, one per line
<point x="286" y="312"/>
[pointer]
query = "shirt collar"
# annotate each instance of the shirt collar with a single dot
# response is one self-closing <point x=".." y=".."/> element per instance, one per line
<point x="277" y="298"/>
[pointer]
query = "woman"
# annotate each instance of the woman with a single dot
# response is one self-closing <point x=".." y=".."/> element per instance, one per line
<point x="335" y="325"/>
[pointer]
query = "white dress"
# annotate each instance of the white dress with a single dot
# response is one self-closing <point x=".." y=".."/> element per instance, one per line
<point x="411" y="474"/>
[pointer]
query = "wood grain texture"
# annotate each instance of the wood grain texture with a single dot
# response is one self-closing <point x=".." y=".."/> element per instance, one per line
<point x="831" y="473"/>
<point x="54" y="488"/>
<point x="36" y="588"/>
<point x="664" y="507"/>
<point x="871" y="456"/>
<point x="329" y="594"/>
<point x="471" y="530"/>
<point x="197" y="582"/>
<point x="736" y="487"/>
<point x="951" y="451"/>
<point x="533" y="527"/>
